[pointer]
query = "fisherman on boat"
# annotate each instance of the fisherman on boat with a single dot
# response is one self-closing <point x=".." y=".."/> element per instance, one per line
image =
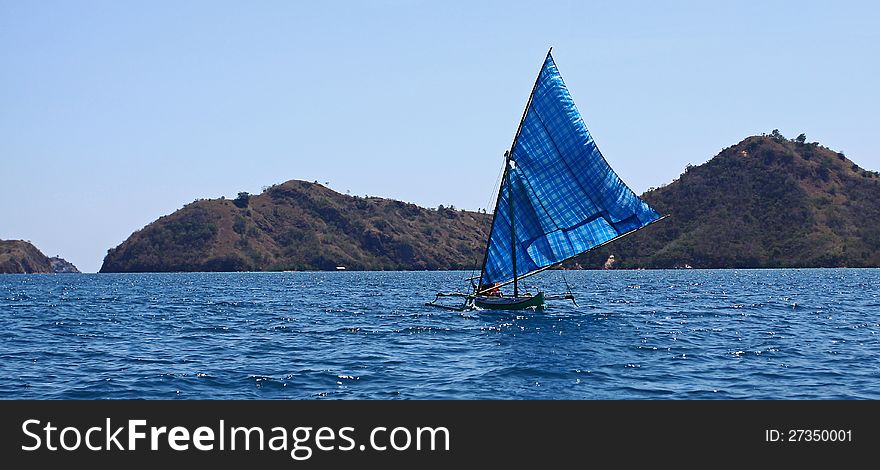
<point x="493" y="290"/>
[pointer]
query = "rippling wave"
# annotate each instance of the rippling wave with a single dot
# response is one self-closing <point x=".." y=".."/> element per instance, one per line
<point x="677" y="334"/>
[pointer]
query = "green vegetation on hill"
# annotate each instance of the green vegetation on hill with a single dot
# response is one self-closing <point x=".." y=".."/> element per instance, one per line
<point x="765" y="202"/>
<point x="303" y="226"/>
<point x="21" y="257"/>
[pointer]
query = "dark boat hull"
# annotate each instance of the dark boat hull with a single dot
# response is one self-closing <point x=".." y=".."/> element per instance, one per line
<point x="510" y="303"/>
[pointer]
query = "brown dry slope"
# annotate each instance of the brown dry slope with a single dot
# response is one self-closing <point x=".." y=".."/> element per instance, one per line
<point x="299" y="225"/>
<point x="765" y="202"/>
<point x="21" y="257"/>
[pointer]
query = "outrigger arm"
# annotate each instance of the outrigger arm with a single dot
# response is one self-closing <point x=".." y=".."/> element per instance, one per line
<point x="468" y="303"/>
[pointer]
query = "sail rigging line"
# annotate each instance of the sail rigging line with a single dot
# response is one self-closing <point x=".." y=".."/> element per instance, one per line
<point x="569" y="293"/>
<point x="507" y="169"/>
<point x="575" y="256"/>
<point x="496" y="189"/>
<point x="512" y="226"/>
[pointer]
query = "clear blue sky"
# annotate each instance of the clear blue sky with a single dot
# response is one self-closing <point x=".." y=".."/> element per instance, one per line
<point x="113" y="114"/>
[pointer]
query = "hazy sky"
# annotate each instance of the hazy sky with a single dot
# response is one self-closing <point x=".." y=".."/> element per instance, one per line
<point x="113" y="114"/>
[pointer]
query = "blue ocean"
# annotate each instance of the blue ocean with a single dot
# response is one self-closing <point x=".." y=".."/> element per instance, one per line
<point x="811" y="334"/>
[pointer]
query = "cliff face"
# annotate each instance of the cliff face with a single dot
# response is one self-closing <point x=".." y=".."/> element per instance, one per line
<point x="21" y="257"/>
<point x="764" y="202"/>
<point x="303" y="226"/>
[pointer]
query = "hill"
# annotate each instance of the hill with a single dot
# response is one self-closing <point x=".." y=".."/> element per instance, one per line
<point x="765" y="202"/>
<point x="299" y="225"/>
<point x="21" y="257"/>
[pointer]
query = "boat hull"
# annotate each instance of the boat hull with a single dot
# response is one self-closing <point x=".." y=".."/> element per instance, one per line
<point x="510" y="303"/>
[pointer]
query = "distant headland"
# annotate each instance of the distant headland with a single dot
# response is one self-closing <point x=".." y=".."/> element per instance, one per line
<point x="22" y="257"/>
<point x="766" y="202"/>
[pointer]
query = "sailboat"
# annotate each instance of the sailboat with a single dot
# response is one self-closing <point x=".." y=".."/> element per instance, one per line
<point x="558" y="199"/>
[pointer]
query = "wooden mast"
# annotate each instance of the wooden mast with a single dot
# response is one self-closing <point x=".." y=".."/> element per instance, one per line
<point x="512" y="226"/>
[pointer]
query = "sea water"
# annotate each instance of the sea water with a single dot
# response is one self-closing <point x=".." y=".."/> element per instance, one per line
<point x="654" y="334"/>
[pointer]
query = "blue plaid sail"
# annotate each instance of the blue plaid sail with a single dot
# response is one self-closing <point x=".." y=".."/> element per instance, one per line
<point x="566" y="199"/>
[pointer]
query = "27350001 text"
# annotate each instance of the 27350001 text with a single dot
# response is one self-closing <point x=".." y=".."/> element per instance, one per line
<point x="808" y="435"/>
